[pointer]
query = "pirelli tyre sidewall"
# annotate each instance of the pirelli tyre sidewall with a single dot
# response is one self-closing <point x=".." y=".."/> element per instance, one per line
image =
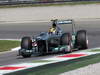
<point x="81" y="39"/>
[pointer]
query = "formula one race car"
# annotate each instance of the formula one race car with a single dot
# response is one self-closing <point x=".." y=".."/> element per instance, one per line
<point x="54" y="41"/>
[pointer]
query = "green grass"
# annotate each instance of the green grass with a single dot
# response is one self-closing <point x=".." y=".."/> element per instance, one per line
<point x="50" y="4"/>
<point x="97" y="50"/>
<point x="6" y="45"/>
<point x="41" y="61"/>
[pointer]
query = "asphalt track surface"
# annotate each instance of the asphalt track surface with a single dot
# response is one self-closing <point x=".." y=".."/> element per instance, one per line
<point x="18" y="30"/>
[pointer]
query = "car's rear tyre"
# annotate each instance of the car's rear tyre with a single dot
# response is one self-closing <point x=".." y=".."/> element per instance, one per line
<point x="26" y="43"/>
<point x="66" y="40"/>
<point x="81" y="39"/>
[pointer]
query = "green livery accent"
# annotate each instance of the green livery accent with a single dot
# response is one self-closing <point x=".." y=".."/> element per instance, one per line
<point x="60" y="48"/>
<point x="73" y="38"/>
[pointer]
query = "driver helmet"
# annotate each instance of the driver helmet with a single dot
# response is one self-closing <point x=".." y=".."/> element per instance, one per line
<point x="52" y="30"/>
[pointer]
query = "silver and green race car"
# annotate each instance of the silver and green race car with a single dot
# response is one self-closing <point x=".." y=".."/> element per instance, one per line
<point x="59" y="41"/>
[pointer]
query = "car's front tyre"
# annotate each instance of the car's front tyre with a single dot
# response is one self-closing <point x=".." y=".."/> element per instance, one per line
<point x="26" y="44"/>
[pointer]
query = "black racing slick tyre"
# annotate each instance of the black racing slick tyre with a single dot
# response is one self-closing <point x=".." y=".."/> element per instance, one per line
<point x="66" y="40"/>
<point x="81" y="39"/>
<point x="26" y="43"/>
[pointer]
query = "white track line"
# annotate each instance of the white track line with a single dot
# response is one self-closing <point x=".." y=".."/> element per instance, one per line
<point x="15" y="49"/>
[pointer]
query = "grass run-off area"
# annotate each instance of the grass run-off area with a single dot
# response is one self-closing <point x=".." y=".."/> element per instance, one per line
<point x="61" y="67"/>
<point x="50" y="4"/>
<point x="7" y="45"/>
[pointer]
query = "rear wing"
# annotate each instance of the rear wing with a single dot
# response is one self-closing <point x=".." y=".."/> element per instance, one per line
<point x="68" y="21"/>
<point x="65" y="22"/>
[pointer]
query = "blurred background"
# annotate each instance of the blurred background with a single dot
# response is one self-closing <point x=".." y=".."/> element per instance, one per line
<point x="9" y="2"/>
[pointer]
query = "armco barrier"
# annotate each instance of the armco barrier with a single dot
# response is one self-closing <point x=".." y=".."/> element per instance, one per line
<point x="13" y="2"/>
